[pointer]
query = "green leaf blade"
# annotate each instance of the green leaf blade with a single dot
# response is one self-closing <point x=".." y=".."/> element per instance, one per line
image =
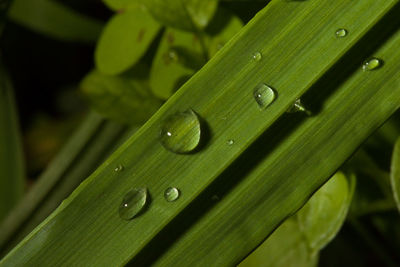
<point x="55" y="20"/>
<point x="12" y="171"/>
<point x="231" y="112"/>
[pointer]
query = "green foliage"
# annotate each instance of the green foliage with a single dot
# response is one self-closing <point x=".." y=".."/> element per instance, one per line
<point x="395" y="173"/>
<point x="188" y="15"/>
<point x="253" y="168"/>
<point x="124" y="40"/>
<point x="55" y="20"/>
<point x="298" y="240"/>
<point x="11" y="158"/>
<point x="119" y="97"/>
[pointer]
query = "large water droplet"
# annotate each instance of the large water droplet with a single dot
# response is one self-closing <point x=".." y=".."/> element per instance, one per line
<point x="180" y="132"/>
<point x="132" y="203"/>
<point x="257" y="56"/>
<point x="340" y="33"/>
<point x="171" y="194"/>
<point x="372" y="64"/>
<point x="264" y="95"/>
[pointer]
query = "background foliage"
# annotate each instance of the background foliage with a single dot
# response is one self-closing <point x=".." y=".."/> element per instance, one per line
<point x="72" y="63"/>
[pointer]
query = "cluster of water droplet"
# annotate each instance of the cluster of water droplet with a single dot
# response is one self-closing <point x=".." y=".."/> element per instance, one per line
<point x="181" y="133"/>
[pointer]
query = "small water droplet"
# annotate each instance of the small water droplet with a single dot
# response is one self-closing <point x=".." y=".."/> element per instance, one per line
<point x="119" y="168"/>
<point x="257" y="56"/>
<point x="372" y="64"/>
<point x="132" y="203"/>
<point x="180" y="132"/>
<point x="264" y="95"/>
<point x="230" y="142"/>
<point x="173" y="55"/>
<point x="298" y="107"/>
<point x="340" y="33"/>
<point x="171" y="194"/>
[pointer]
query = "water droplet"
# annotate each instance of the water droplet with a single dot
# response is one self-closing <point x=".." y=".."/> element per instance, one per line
<point x="180" y="132"/>
<point x="230" y="142"/>
<point x="340" y="33"/>
<point x="372" y="64"/>
<point x="119" y="168"/>
<point x="171" y="194"/>
<point x="264" y="95"/>
<point x="257" y="56"/>
<point x="132" y="203"/>
<point x="173" y="55"/>
<point x="298" y="107"/>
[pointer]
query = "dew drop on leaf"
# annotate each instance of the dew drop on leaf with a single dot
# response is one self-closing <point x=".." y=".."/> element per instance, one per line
<point x="180" y="132"/>
<point x="298" y="107"/>
<point x="132" y="203"/>
<point x="119" y="168"/>
<point x="372" y="64"/>
<point x="264" y="95"/>
<point x="171" y="194"/>
<point x="257" y="56"/>
<point x="340" y="33"/>
<point x="230" y="142"/>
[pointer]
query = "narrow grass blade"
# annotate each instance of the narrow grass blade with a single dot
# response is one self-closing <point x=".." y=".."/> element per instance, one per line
<point x="55" y="20"/>
<point x="288" y="35"/>
<point x="50" y="177"/>
<point x="275" y="177"/>
<point x="12" y="172"/>
<point x="107" y="137"/>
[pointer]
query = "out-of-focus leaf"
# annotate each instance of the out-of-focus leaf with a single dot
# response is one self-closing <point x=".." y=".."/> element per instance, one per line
<point x="298" y="240"/>
<point x="120" y="98"/>
<point x="395" y="173"/>
<point x="169" y="70"/>
<point x="124" y="40"/>
<point x="55" y="20"/>
<point x="120" y="5"/>
<point x="323" y="215"/>
<point x="11" y="156"/>
<point x="286" y="247"/>
<point x="221" y="29"/>
<point x="183" y="14"/>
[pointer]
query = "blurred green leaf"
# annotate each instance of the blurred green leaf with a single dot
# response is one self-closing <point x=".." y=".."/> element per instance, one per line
<point x="285" y="247"/>
<point x="11" y="156"/>
<point x="119" y="97"/>
<point x="168" y="70"/>
<point x="55" y="20"/>
<point x="120" y="5"/>
<point x="395" y="173"/>
<point x="124" y="40"/>
<point x="221" y="29"/>
<point x="189" y="15"/>
<point x="323" y="215"/>
<point x="299" y="239"/>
